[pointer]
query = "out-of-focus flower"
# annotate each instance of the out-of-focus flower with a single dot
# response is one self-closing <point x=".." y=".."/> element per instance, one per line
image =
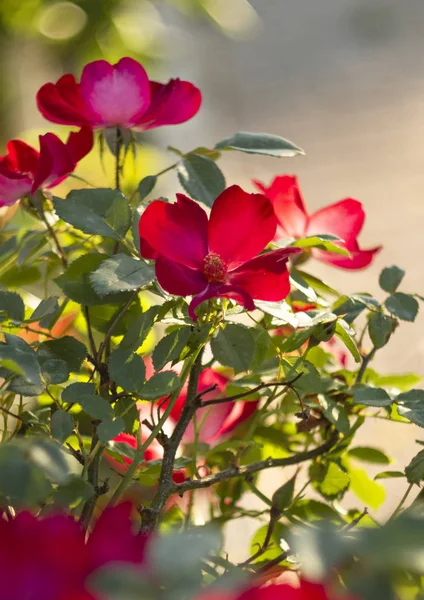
<point x="24" y="170"/>
<point x="49" y="559"/>
<point x="305" y="590"/>
<point x="343" y="219"/>
<point x="215" y="421"/>
<point x="119" y="95"/>
<point x="216" y="257"/>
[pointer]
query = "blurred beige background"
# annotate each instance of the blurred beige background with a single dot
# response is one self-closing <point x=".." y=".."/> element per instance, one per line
<point x="344" y="79"/>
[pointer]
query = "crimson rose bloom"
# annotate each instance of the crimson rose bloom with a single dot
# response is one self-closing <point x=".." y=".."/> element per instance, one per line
<point x="343" y="219"/>
<point x="216" y="257"/>
<point x="278" y="591"/>
<point x="118" y="95"/>
<point x="48" y="558"/>
<point x="23" y="170"/>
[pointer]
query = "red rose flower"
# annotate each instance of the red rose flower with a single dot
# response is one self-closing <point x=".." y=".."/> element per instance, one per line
<point x="23" y="170"/>
<point x="48" y="558"/>
<point x="118" y="95"/>
<point x="216" y="257"/>
<point x="343" y="219"/>
<point x="278" y="591"/>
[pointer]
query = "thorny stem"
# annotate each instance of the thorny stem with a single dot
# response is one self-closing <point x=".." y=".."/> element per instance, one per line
<point x="255" y="467"/>
<point x="59" y="249"/>
<point x="402" y="502"/>
<point x="365" y="362"/>
<point x="112" y="327"/>
<point x="151" y="514"/>
<point x="96" y="452"/>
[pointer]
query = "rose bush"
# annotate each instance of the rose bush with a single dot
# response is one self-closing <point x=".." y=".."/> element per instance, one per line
<point x="119" y="472"/>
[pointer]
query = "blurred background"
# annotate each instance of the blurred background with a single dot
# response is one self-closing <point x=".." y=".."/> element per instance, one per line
<point x="343" y="79"/>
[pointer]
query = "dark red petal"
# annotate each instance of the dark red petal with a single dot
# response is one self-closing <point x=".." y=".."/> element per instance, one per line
<point x="116" y="95"/>
<point x="265" y="277"/>
<point x="358" y="259"/>
<point x="113" y="540"/>
<point x="21" y="158"/>
<point x="288" y="204"/>
<point x="54" y="164"/>
<point x="62" y="103"/>
<point x="176" y="231"/>
<point x="240" y="225"/>
<point x="80" y="143"/>
<point x="221" y="290"/>
<point x="178" y="279"/>
<point x="343" y="219"/>
<point x="171" y="103"/>
<point x="241" y="411"/>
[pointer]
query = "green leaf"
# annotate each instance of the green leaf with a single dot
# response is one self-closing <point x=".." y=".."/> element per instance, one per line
<point x="371" y="396"/>
<point x="47" y="307"/>
<point x="274" y="550"/>
<point x="368" y="491"/>
<point x="403" y="382"/>
<point x="62" y="425"/>
<point x="20" y="276"/>
<point x="127" y="409"/>
<point x="11" y="306"/>
<point x="146" y="186"/>
<point x="170" y="347"/>
<point x="234" y="346"/>
<point x="390" y="278"/>
<point x="279" y="310"/>
<point x="18" y="356"/>
<point x="23" y="483"/>
<point x="335" y="413"/>
<point x="54" y="371"/>
<point x="75" y="282"/>
<point x="137" y="333"/>
<point x="323" y="242"/>
<point x="335" y="482"/>
<point x="369" y="455"/>
<point x="201" y="178"/>
<point x="411" y="406"/>
<point x="282" y="498"/>
<point x="161" y="384"/>
<point x="67" y="349"/>
<point x="127" y="370"/>
<point x="299" y="283"/>
<point x="121" y="273"/>
<point x="102" y="212"/>
<point x="85" y="395"/>
<point x="348" y="308"/>
<point x="415" y="470"/>
<point x="73" y="491"/>
<point x="389" y="475"/>
<point x="260" y="143"/>
<point x="380" y="328"/>
<point x="295" y="340"/>
<point x="343" y="332"/>
<point x="403" y="306"/>
<point x="109" y="429"/>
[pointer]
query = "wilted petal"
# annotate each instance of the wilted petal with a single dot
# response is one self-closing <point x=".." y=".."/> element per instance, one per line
<point x="176" y="231"/>
<point x="240" y="225"/>
<point x="289" y="207"/>
<point x="171" y="103"/>
<point x="265" y="277"/>
<point x="115" y="94"/>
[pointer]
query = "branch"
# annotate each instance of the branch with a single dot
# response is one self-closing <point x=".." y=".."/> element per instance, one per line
<point x="258" y="388"/>
<point x="255" y="467"/>
<point x="151" y="514"/>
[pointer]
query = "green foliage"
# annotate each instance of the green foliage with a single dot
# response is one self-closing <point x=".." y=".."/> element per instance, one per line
<point x="391" y="278"/>
<point x="234" y="347"/>
<point x="201" y="178"/>
<point x="127" y="370"/>
<point x="121" y="273"/>
<point x="259" y="143"/>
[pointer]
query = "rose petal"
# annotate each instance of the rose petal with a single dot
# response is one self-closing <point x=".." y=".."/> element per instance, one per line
<point x="358" y="259"/>
<point x="343" y="219"/>
<point x="221" y="290"/>
<point x="13" y="186"/>
<point x="240" y="225"/>
<point x="265" y="277"/>
<point x="288" y="204"/>
<point x="20" y="158"/>
<point x="62" y="103"/>
<point x="115" y="94"/>
<point x="176" y="231"/>
<point x="80" y="143"/>
<point x="178" y="279"/>
<point x="55" y="162"/>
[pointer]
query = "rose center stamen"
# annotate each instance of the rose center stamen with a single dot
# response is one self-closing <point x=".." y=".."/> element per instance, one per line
<point x="214" y="268"/>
